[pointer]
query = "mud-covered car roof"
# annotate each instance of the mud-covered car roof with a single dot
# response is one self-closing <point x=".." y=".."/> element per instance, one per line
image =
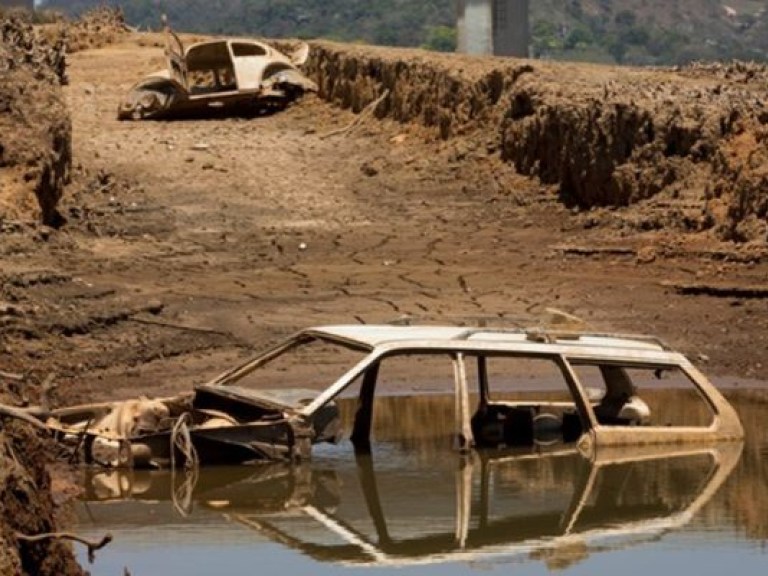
<point x="371" y="336"/>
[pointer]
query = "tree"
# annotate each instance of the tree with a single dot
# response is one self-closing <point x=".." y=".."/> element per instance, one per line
<point x="441" y="39"/>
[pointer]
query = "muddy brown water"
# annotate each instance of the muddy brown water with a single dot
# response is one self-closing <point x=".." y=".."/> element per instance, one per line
<point x="417" y="507"/>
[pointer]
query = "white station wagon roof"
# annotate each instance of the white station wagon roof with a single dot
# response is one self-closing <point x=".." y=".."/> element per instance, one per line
<point x="377" y="335"/>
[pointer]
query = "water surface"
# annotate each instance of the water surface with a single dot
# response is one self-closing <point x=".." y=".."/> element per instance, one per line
<point x="416" y="507"/>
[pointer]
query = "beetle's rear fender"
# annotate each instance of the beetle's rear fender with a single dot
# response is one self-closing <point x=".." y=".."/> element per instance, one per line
<point x="153" y="96"/>
<point x="280" y="74"/>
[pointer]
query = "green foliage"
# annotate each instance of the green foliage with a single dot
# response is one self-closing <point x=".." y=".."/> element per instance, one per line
<point x="579" y="38"/>
<point x="546" y="38"/>
<point x="387" y="22"/>
<point x="625" y="31"/>
<point x="441" y="39"/>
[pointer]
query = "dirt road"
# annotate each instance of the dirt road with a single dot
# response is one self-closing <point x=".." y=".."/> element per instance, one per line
<point x="191" y="243"/>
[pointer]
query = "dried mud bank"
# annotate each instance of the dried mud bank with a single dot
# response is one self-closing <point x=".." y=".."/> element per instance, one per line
<point x="35" y="162"/>
<point x="35" y="157"/>
<point x="688" y="147"/>
<point x="35" y="129"/>
<point x="27" y="508"/>
<point x="35" y="126"/>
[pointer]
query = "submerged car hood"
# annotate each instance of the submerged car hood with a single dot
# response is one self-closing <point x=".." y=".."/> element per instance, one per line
<point x="288" y="398"/>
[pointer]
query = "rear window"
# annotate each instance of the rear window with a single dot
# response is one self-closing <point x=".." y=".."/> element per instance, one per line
<point x="240" y="49"/>
<point x="627" y="395"/>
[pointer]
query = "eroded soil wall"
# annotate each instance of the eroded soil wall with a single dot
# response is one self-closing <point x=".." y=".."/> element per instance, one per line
<point x="27" y="508"/>
<point x="689" y="140"/>
<point x="35" y="129"/>
<point x="35" y="160"/>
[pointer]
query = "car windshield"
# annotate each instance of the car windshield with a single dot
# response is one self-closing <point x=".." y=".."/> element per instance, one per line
<point x="299" y="372"/>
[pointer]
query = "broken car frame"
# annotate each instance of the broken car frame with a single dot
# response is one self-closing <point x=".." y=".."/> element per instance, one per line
<point x="236" y="75"/>
<point x="236" y="418"/>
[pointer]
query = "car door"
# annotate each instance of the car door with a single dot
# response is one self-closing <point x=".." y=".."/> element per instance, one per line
<point x="174" y="54"/>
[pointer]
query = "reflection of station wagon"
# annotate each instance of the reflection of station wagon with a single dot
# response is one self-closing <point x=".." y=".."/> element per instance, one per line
<point x="559" y="506"/>
<point x="512" y="388"/>
<point x="232" y="74"/>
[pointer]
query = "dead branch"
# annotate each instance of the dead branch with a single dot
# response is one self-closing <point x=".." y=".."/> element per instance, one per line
<point x="11" y="376"/>
<point x="48" y="386"/>
<point x="718" y="290"/>
<point x="22" y="415"/>
<point x="367" y="111"/>
<point x="596" y="250"/>
<point x="91" y="545"/>
<point x="180" y="327"/>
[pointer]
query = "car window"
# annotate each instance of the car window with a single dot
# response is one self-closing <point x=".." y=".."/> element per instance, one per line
<point x="514" y="377"/>
<point x="623" y="395"/>
<point x="313" y="364"/>
<point x="240" y="49"/>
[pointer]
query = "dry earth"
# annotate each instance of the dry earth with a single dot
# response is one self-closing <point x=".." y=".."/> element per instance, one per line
<point x="190" y="244"/>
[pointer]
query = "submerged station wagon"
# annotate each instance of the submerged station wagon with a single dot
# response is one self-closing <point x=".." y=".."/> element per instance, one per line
<point x="513" y="389"/>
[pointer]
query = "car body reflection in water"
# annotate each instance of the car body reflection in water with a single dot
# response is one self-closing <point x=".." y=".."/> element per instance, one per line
<point x="409" y="506"/>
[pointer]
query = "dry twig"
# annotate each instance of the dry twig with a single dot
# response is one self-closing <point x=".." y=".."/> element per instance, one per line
<point x="367" y="111"/>
<point x="11" y="376"/>
<point x="22" y="415"/>
<point x="91" y="545"/>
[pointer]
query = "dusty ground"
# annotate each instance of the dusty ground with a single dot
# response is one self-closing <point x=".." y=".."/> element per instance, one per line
<point x="191" y="243"/>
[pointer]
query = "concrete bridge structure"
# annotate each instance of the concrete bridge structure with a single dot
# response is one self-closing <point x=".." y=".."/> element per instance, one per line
<point x="498" y="27"/>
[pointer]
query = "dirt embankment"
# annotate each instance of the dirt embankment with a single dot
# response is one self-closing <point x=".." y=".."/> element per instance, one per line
<point x="35" y="162"/>
<point x="686" y="147"/>
<point x="35" y="129"/>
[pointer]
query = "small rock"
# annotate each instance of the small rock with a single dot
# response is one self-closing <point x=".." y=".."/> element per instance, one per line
<point x="646" y="255"/>
<point x="369" y="170"/>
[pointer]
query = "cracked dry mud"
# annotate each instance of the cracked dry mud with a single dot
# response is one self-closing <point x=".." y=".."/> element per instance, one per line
<point x="191" y="243"/>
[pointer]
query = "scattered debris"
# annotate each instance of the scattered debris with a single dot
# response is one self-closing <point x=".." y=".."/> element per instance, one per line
<point x="366" y="112"/>
<point x="596" y="250"/>
<point x="718" y="290"/>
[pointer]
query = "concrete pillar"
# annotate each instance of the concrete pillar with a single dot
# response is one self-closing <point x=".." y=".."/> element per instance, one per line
<point x="511" y="28"/>
<point x="475" y="26"/>
<point x="499" y="27"/>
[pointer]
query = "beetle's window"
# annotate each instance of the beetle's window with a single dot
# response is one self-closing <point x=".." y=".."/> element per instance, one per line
<point x="210" y="69"/>
<point x="240" y="49"/>
<point x="637" y="396"/>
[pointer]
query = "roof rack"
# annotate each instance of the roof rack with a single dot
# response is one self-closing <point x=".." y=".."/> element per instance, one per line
<point x="552" y="336"/>
<point x="533" y="333"/>
<point x="540" y="334"/>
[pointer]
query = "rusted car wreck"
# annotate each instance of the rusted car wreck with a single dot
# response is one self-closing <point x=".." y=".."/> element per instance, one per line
<point x="223" y="75"/>
<point x="530" y="388"/>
